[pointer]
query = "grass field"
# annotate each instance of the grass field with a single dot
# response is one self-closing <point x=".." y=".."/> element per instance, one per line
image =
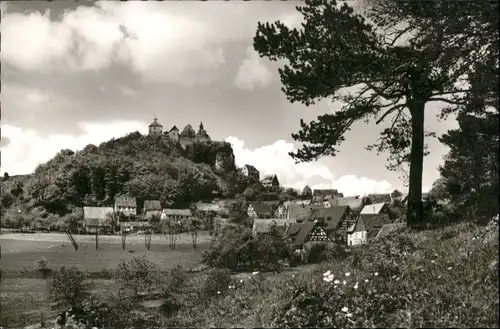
<point x="24" y="298"/>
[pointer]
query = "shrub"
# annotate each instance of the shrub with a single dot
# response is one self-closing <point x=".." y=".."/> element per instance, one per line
<point x="236" y="248"/>
<point x="68" y="287"/>
<point x="139" y="275"/>
<point x="42" y="267"/>
<point x="317" y="253"/>
<point x="216" y="283"/>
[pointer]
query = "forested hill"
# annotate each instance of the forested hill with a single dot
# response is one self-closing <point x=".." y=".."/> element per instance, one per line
<point x="141" y="166"/>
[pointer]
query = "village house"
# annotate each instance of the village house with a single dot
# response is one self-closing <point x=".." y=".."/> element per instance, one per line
<point x="271" y="182"/>
<point x="155" y="129"/>
<point x="357" y="234"/>
<point x="251" y="172"/>
<point x="335" y="221"/>
<point x="178" y="215"/>
<point x="379" y="198"/>
<point x="260" y="210"/>
<point x="374" y="222"/>
<point x="299" y="213"/>
<point x="207" y="212"/>
<point x="280" y="211"/>
<point x="356" y="203"/>
<point x="302" y="202"/>
<point x="96" y="218"/>
<point x="126" y="205"/>
<point x="263" y="226"/>
<point x="307" y="192"/>
<point x="152" y="208"/>
<point x="320" y="195"/>
<point x="376" y="208"/>
<point x="303" y="236"/>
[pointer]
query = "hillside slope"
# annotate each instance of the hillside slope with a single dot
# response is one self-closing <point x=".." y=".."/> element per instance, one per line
<point x="141" y="166"/>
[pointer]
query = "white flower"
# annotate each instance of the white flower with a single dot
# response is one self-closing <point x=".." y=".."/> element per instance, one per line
<point x="347" y="274"/>
<point x="241" y="280"/>
<point x="336" y="282"/>
<point x="348" y="315"/>
<point x="344" y="282"/>
<point x="328" y="278"/>
<point x="255" y="273"/>
<point x="376" y="273"/>
<point x="366" y="280"/>
<point x="218" y="292"/>
<point x="433" y="261"/>
<point x="356" y="286"/>
<point x="345" y="309"/>
<point x="449" y="268"/>
<point x="327" y="273"/>
<point x="393" y="277"/>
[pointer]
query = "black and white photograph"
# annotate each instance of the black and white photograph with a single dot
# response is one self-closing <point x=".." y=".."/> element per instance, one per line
<point x="275" y="164"/>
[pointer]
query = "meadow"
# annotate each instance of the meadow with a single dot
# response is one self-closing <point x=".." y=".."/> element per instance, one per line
<point x="23" y="291"/>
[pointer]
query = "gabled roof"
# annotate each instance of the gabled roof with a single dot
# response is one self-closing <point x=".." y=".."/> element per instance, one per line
<point x="251" y="168"/>
<point x="269" y="178"/>
<point x="303" y="202"/>
<point x="298" y="233"/>
<point x="331" y="216"/>
<point x="318" y="192"/>
<point x="176" y="212"/>
<point x="373" y="208"/>
<point x="261" y="208"/>
<point x="307" y="190"/>
<point x="95" y="216"/>
<point x="188" y="131"/>
<point x="375" y="221"/>
<point x="264" y="225"/>
<point x="354" y="202"/>
<point x="380" y="198"/>
<point x="125" y="201"/>
<point x="152" y="205"/>
<point x="174" y="128"/>
<point x="201" y="206"/>
<point x="299" y="212"/>
<point x="359" y="226"/>
<point x="388" y="229"/>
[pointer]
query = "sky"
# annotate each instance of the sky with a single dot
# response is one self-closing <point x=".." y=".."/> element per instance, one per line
<point x="81" y="73"/>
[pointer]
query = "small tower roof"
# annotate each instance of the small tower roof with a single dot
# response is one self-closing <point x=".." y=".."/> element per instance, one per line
<point x="201" y="131"/>
<point x="155" y="123"/>
<point x="188" y="131"/>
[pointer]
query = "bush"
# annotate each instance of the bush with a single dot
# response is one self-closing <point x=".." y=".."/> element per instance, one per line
<point x="215" y="284"/>
<point x="317" y="253"/>
<point x="68" y="287"/>
<point x="42" y="267"/>
<point x="139" y="275"/>
<point x="237" y="249"/>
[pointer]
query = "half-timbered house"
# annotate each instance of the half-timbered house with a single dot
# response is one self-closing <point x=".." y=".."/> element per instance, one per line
<point x="335" y="221"/>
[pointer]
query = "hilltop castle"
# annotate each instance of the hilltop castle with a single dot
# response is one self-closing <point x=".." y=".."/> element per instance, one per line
<point x="186" y="137"/>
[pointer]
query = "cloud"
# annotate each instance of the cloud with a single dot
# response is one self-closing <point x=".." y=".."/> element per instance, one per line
<point x="252" y="72"/>
<point x="274" y="159"/>
<point x="26" y="149"/>
<point x="162" y="42"/>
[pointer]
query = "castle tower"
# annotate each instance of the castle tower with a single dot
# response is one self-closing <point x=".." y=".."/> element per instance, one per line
<point x="155" y="129"/>
<point x="174" y="134"/>
<point x="202" y="135"/>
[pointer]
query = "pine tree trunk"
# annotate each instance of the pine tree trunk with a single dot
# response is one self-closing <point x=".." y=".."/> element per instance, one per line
<point x="414" y="209"/>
